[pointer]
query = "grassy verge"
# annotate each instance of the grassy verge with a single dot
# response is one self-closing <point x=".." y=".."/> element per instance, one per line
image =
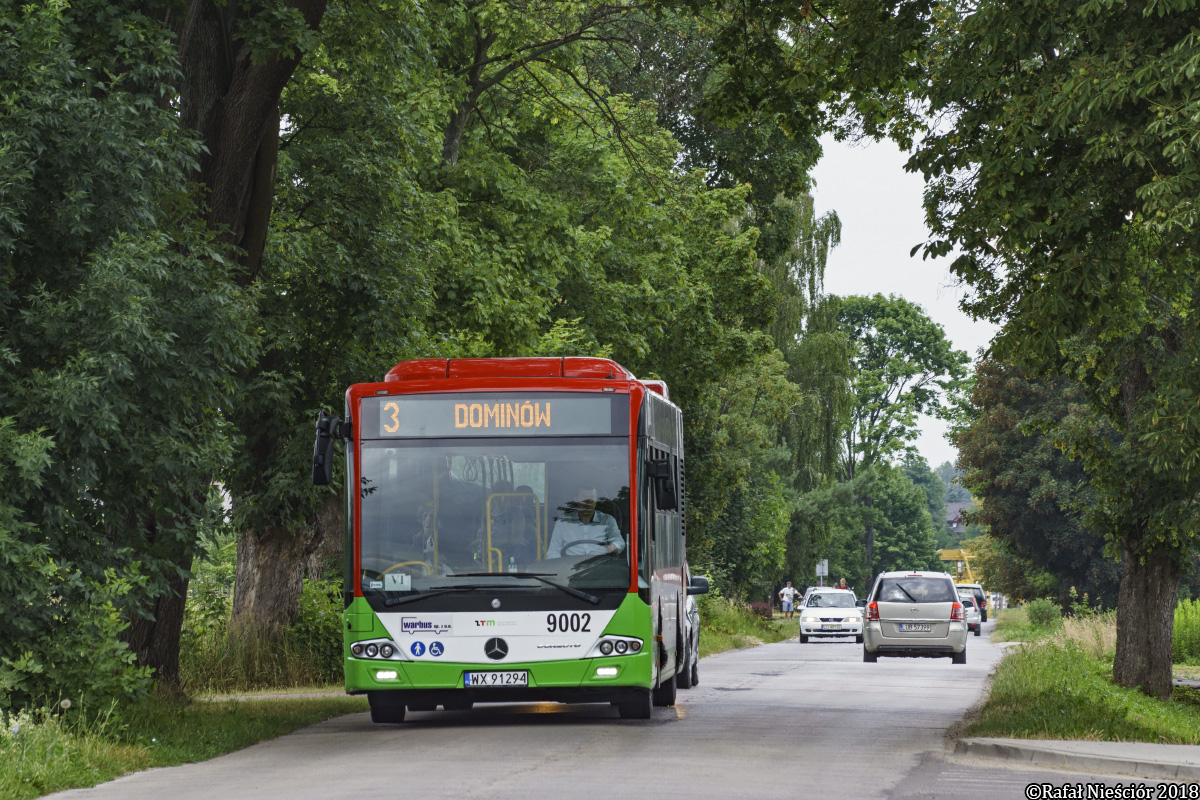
<point x="40" y="753"/>
<point x="1058" y="690"/>
<point x="727" y="626"/>
<point x="1013" y="625"/>
<point x="1059" y="686"/>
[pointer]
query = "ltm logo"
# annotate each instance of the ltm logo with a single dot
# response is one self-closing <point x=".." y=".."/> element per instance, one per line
<point x="485" y="623"/>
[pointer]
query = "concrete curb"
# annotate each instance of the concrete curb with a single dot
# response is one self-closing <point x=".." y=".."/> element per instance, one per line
<point x="1163" y="761"/>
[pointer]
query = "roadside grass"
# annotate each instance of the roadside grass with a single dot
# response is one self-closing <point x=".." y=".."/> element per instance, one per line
<point x="1013" y="625"/>
<point x="1062" y="687"/>
<point x="216" y="662"/>
<point x="42" y="752"/>
<point x="725" y="625"/>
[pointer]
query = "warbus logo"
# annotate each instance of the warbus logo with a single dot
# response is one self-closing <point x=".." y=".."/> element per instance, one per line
<point x="415" y="625"/>
<point x="501" y="415"/>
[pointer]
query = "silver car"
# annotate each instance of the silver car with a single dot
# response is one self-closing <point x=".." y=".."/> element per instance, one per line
<point x="689" y="676"/>
<point x="914" y="614"/>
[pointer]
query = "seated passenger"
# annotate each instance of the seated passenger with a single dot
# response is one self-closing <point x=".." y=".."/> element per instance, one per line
<point x="583" y="523"/>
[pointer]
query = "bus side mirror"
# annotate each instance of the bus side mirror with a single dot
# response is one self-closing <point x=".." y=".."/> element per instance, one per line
<point x="698" y="585"/>
<point x="328" y="427"/>
<point x="664" y="485"/>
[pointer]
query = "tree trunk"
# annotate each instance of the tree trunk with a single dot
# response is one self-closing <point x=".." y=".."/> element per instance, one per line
<point x="230" y="95"/>
<point x="1145" y="622"/>
<point x="328" y="527"/>
<point x="155" y="641"/>
<point x="268" y="579"/>
<point x="272" y="565"/>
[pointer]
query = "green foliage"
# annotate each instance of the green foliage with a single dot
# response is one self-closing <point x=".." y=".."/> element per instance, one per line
<point x="727" y="625"/>
<point x="1002" y="570"/>
<point x="50" y="611"/>
<point x="917" y="470"/>
<point x="44" y="751"/>
<point x="1055" y="691"/>
<point x="904" y="366"/>
<point x="895" y="509"/>
<point x="1033" y="497"/>
<point x="306" y="653"/>
<point x="952" y="479"/>
<point x="1043" y="612"/>
<point x="121" y="335"/>
<point x="1185" y="644"/>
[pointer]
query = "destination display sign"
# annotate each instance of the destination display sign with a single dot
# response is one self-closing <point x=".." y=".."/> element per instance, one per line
<point x="494" y="414"/>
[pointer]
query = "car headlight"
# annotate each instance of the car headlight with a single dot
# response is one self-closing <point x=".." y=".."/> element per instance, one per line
<point x="810" y="619"/>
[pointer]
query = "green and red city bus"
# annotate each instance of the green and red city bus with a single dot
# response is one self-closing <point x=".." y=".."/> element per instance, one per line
<point x="515" y="532"/>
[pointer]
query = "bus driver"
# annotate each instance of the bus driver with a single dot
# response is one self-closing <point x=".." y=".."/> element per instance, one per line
<point x="582" y="522"/>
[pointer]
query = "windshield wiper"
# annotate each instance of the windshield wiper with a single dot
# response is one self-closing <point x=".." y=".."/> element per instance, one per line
<point x="397" y="601"/>
<point x="537" y="576"/>
<point x="909" y="596"/>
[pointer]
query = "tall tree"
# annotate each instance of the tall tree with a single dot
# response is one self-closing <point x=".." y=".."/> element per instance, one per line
<point x="903" y="367"/>
<point x="346" y="284"/>
<point x="917" y="470"/>
<point x="122" y="327"/>
<point x="1032" y="495"/>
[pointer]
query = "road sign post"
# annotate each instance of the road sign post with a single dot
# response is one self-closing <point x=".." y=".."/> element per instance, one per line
<point x="822" y="571"/>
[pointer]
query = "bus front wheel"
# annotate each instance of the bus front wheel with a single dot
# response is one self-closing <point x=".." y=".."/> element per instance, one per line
<point x="638" y="706"/>
<point x="385" y="708"/>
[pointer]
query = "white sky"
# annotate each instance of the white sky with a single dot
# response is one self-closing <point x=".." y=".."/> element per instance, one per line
<point x="882" y="219"/>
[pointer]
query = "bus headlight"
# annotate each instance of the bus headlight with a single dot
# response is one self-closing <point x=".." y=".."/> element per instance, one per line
<point x="386" y="651"/>
<point x="621" y="647"/>
<point x="372" y="650"/>
<point x="606" y="647"/>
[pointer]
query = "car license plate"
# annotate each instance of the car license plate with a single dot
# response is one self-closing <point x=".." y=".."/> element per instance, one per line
<point x="516" y="677"/>
<point x="831" y="627"/>
<point x="915" y="627"/>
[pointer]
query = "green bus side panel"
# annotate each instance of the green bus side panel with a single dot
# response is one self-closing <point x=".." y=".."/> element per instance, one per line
<point x="631" y="619"/>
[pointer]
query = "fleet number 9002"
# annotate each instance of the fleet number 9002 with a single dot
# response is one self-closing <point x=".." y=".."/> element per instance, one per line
<point x="569" y="623"/>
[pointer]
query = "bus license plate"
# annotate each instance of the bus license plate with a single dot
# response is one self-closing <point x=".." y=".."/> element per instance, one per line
<point x="516" y="677"/>
<point x="916" y="627"/>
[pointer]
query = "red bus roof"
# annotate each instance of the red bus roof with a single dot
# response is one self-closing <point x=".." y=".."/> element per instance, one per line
<point x="570" y="367"/>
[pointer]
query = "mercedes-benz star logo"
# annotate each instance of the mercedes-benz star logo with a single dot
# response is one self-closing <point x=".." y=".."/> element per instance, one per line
<point x="496" y="649"/>
<point x="496" y="602"/>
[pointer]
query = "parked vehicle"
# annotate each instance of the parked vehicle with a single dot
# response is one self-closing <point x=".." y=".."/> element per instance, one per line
<point x="980" y="598"/>
<point x="971" y="611"/>
<point x="914" y="614"/>
<point x="830" y="612"/>
<point x="689" y="675"/>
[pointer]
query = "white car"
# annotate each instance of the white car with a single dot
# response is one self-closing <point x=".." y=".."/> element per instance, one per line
<point x="971" y="610"/>
<point x="830" y="612"/>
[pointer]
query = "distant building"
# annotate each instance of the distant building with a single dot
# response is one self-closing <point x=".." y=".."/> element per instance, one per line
<point x="954" y="518"/>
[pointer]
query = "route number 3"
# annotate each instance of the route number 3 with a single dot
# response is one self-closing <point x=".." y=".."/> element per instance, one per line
<point x="395" y="424"/>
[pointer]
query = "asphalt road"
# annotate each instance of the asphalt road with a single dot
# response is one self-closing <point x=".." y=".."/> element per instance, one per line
<point x="781" y="720"/>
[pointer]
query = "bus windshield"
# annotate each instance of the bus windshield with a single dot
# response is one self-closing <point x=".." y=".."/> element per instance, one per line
<point x="441" y="514"/>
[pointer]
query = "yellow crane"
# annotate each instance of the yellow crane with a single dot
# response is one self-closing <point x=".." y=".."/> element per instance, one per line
<point x="962" y="565"/>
